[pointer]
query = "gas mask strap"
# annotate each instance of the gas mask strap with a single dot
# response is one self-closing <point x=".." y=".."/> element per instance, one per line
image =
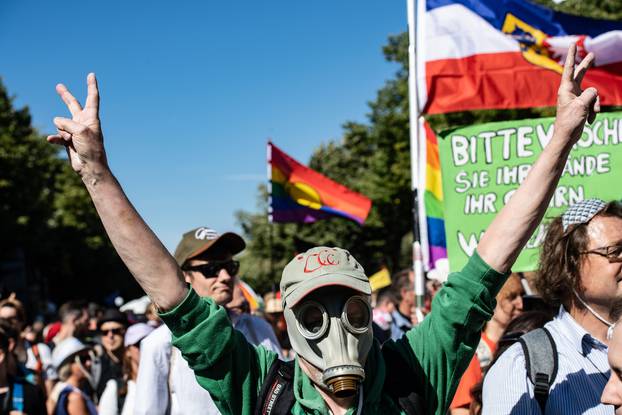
<point x="359" y="409"/>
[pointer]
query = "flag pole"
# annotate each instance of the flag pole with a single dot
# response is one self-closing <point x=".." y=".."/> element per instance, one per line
<point x="270" y="221"/>
<point x="415" y="112"/>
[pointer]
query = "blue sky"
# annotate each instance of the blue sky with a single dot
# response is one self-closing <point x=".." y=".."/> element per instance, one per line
<point x="192" y="90"/>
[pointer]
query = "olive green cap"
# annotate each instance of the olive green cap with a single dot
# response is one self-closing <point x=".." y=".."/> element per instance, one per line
<point x="197" y="241"/>
<point x="321" y="267"/>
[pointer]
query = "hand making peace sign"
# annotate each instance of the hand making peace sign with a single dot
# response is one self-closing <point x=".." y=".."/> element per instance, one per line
<point x="575" y="106"/>
<point x="81" y="135"/>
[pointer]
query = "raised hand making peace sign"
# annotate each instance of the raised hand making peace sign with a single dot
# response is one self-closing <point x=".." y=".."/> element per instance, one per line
<point x="81" y="135"/>
<point x="575" y="106"/>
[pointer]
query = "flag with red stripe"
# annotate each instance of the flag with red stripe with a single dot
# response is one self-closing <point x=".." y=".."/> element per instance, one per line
<point x="495" y="54"/>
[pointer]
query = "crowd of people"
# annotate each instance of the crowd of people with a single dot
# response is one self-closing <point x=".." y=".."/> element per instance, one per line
<point x="491" y="341"/>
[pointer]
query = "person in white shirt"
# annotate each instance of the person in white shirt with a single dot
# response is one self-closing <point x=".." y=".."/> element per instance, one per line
<point x="165" y="383"/>
<point x="581" y="273"/>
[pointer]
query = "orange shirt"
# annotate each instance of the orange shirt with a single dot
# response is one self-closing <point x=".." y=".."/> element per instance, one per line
<point x="472" y="376"/>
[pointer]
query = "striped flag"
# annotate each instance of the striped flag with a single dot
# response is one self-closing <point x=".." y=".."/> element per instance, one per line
<point x="300" y="194"/>
<point x="484" y="54"/>
<point x="432" y="211"/>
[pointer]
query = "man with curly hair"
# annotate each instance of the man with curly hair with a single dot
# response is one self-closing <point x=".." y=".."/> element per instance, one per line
<point x="580" y="272"/>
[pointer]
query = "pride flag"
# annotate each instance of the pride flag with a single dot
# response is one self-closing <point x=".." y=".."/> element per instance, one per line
<point x="433" y="227"/>
<point x="483" y="54"/>
<point x="300" y="194"/>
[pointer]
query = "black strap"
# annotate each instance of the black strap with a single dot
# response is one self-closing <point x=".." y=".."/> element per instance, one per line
<point x="541" y="363"/>
<point x="277" y="392"/>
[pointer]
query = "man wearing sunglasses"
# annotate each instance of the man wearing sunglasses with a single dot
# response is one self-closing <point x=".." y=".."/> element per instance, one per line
<point x="111" y="326"/>
<point x="326" y="294"/>
<point x="165" y="383"/>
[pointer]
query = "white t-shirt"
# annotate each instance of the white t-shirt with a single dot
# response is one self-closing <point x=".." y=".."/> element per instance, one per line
<point x="186" y="396"/>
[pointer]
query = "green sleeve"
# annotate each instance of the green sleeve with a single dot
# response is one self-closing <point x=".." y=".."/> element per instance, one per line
<point x="230" y="368"/>
<point x="440" y="348"/>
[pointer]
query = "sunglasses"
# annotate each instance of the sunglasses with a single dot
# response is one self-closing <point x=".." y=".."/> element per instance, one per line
<point x="116" y="332"/>
<point x="212" y="268"/>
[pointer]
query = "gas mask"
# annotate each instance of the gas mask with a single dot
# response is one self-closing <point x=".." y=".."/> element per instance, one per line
<point x="331" y="329"/>
<point x="325" y="297"/>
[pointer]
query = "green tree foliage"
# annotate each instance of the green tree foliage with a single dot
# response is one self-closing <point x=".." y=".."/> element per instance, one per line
<point x="374" y="159"/>
<point x="49" y="227"/>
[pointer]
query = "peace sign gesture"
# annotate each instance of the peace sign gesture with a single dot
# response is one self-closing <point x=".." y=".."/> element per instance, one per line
<point x="81" y="135"/>
<point x="575" y="106"/>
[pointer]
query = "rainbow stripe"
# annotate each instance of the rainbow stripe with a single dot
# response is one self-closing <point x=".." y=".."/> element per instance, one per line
<point x="433" y="199"/>
<point x="254" y="300"/>
<point x="300" y="194"/>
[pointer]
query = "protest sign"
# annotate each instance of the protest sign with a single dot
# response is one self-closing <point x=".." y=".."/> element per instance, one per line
<point x="482" y="166"/>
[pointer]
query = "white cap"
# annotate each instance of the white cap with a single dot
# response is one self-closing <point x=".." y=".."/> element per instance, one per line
<point x="65" y="350"/>
<point x="137" y="332"/>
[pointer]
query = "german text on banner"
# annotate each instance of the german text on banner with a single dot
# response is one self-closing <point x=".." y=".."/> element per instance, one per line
<point x="484" y="54"/>
<point x="482" y="166"/>
<point x="300" y="194"/>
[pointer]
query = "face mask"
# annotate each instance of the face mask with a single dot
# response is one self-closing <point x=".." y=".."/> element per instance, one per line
<point x="332" y="331"/>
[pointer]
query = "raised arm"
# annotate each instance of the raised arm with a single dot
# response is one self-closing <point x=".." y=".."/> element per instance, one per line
<point x="147" y="259"/>
<point x="513" y="226"/>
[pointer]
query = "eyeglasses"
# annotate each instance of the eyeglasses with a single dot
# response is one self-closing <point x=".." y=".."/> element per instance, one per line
<point x="117" y="332"/>
<point x="212" y="268"/>
<point x="612" y="253"/>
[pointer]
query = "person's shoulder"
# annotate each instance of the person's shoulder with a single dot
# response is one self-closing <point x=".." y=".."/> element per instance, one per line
<point x="510" y="363"/>
<point x="74" y="396"/>
<point x="254" y="320"/>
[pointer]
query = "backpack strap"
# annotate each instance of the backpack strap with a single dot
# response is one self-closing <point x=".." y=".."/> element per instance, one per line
<point x="277" y="392"/>
<point x="541" y="362"/>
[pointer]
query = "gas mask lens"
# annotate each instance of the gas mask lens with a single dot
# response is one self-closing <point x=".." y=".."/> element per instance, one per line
<point x="312" y="320"/>
<point x="356" y="315"/>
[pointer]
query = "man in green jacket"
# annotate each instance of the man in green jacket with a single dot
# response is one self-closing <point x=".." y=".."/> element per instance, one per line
<point x="338" y="369"/>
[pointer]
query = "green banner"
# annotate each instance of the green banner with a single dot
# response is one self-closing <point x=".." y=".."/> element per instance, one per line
<point x="483" y="165"/>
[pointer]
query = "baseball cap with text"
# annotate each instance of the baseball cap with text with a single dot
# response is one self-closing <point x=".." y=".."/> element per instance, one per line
<point x="321" y="267"/>
<point x="196" y="241"/>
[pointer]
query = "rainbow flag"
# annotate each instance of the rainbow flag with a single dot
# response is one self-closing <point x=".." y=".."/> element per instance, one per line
<point x="300" y="194"/>
<point x="434" y="231"/>
<point x="254" y="300"/>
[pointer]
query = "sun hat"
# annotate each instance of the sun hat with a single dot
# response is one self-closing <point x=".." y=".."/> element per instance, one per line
<point x="112" y="314"/>
<point x="66" y="350"/>
<point x="136" y="332"/>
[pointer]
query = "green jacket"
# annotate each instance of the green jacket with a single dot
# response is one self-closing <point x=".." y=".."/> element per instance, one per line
<point x="434" y="354"/>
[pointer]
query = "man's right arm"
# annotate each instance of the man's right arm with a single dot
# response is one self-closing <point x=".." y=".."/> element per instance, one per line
<point x="144" y="255"/>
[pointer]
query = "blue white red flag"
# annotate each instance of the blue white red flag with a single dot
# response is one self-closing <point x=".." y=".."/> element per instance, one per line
<point x="484" y="54"/>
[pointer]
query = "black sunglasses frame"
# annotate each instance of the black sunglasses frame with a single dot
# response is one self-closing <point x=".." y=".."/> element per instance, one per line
<point x="212" y="268"/>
